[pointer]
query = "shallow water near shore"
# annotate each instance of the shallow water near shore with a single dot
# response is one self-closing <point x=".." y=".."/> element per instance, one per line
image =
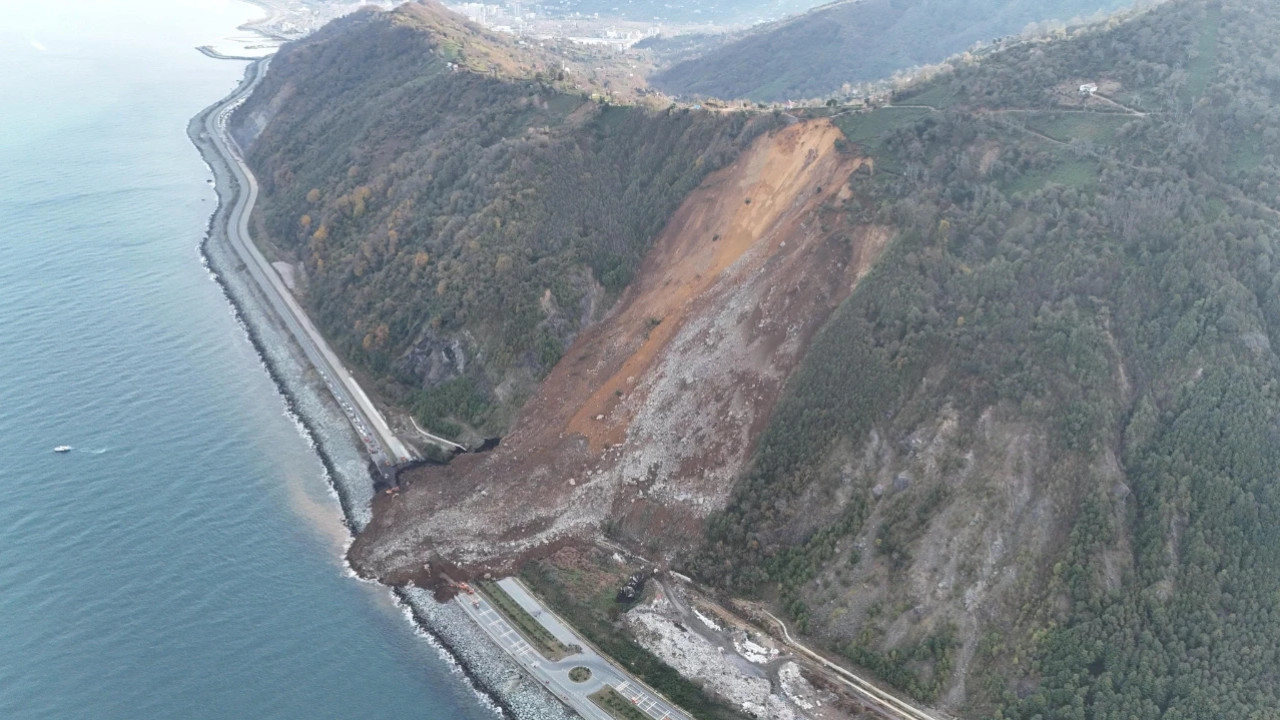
<point x="183" y="560"/>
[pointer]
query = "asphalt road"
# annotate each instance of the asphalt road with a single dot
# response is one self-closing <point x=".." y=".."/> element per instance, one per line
<point x="555" y="675"/>
<point x="385" y="448"/>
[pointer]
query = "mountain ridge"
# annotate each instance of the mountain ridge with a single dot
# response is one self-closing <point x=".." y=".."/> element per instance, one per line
<point x="817" y="53"/>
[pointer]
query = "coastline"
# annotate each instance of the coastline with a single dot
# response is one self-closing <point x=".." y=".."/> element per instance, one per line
<point x="497" y="680"/>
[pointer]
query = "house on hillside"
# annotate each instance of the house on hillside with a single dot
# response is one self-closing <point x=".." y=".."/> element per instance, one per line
<point x="1088" y="89"/>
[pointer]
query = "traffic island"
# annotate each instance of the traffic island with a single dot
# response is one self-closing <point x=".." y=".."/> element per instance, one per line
<point x="618" y="706"/>
<point x="580" y="674"/>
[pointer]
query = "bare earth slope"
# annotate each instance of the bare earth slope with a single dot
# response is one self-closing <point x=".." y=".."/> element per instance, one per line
<point x="651" y="413"/>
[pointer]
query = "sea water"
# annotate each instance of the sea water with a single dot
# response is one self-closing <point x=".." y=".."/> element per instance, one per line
<point x="184" y="559"/>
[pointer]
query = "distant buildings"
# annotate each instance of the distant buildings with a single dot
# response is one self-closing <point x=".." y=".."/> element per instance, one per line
<point x="1088" y="89"/>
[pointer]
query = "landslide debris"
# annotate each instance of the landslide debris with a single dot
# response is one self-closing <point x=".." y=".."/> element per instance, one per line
<point x="651" y="414"/>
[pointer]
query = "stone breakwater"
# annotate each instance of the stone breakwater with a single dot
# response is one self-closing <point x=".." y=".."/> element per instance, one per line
<point x="488" y="666"/>
<point x="498" y="679"/>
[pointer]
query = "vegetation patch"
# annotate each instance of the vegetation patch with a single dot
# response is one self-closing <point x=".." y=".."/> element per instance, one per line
<point x="442" y="407"/>
<point x="580" y="674"/>
<point x="1078" y="174"/>
<point x="613" y="702"/>
<point x="936" y="95"/>
<point x="921" y="669"/>
<point x="871" y="130"/>
<point x="1095" y="127"/>
<point x="538" y="636"/>
<point x="1204" y="59"/>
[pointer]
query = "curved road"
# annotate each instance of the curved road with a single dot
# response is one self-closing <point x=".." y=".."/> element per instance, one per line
<point x="386" y="449"/>
<point x="554" y="675"/>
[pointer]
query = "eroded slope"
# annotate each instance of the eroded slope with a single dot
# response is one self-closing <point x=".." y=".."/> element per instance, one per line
<point x="652" y="413"/>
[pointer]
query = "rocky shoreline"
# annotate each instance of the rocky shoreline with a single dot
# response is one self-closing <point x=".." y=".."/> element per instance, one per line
<point x="349" y="472"/>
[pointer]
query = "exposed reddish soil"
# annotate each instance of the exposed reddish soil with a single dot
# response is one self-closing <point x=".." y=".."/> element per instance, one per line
<point x="652" y="413"/>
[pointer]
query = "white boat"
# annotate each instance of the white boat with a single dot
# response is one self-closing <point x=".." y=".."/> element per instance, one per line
<point x="62" y="449"/>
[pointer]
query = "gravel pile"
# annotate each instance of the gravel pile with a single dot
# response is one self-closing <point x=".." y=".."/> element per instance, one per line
<point x="694" y="657"/>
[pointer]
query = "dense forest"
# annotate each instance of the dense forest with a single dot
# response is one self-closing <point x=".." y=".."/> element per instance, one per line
<point x="1069" y="348"/>
<point x="458" y="213"/>
<point x="817" y="53"/>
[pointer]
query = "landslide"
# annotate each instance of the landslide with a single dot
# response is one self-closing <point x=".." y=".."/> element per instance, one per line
<point x="1029" y="469"/>
<point x="649" y="417"/>
<point x="814" y="54"/>
<point x="457" y="206"/>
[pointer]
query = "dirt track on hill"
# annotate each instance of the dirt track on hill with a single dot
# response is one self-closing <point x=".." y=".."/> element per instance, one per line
<point x="651" y="414"/>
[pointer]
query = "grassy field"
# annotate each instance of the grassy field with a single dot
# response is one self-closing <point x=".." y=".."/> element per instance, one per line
<point x="616" y="705"/>
<point x="939" y="96"/>
<point x="1078" y="174"/>
<point x="1099" y="128"/>
<point x="538" y="636"/>
<point x="870" y="129"/>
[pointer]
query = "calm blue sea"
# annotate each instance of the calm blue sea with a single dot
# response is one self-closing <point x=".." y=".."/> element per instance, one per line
<point x="184" y="560"/>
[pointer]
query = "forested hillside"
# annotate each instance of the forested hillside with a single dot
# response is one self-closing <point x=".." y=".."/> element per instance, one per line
<point x="853" y="41"/>
<point x="1031" y="468"/>
<point x="457" y="208"/>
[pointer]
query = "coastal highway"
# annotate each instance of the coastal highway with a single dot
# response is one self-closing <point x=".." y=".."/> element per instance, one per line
<point x="554" y="676"/>
<point x="384" y="447"/>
